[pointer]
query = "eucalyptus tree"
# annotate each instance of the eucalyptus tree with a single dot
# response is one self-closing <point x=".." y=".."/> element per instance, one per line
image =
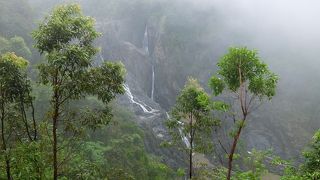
<point x="191" y="121"/>
<point x="14" y="90"/>
<point x="244" y="76"/>
<point x="66" y="38"/>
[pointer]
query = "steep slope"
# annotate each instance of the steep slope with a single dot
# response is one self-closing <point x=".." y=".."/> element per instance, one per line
<point x="188" y="42"/>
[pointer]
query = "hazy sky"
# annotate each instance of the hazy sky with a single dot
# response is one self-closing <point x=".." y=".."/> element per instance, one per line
<point x="286" y="32"/>
<point x="298" y="19"/>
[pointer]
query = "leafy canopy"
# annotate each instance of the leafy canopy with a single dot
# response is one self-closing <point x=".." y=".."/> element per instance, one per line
<point x="241" y="65"/>
<point x="66" y="26"/>
<point x="191" y="114"/>
<point x="13" y="59"/>
<point x="12" y="76"/>
<point x="66" y="37"/>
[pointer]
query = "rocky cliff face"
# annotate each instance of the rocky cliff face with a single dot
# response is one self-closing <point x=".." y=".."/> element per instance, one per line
<point x="139" y="63"/>
<point x="180" y="48"/>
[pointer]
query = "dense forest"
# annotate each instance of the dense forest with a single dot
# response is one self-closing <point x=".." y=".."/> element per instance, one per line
<point x="158" y="89"/>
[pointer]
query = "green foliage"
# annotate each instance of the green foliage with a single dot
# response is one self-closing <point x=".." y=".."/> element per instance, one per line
<point x="18" y="62"/>
<point x="291" y="173"/>
<point x="192" y="114"/>
<point x="255" y="165"/>
<point x="242" y="73"/>
<point x="124" y="153"/>
<point x="220" y="106"/>
<point x="12" y="77"/>
<point x="66" y="26"/>
<point x="243" y="65"/>
<point x="181" y="172"/>
<point x="108" y="79"/>
<point x="191" y="99"/>
<point x="66" y="38"/>
<point x="115" y="151"/>
<point x="30" y="159"/>
<point x="191" y="120"/>
<point x="217" y="85"/>
<point x="217" y="172"/>
<point x="15" y="98"/>
<point x="311" y="166"/>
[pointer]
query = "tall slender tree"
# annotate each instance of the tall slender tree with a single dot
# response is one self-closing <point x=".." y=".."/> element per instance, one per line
<point x="12" y="89"/>
<point x="191" y="123"/>
<point x="243" y="74"/>
<point x="66" y="38"/>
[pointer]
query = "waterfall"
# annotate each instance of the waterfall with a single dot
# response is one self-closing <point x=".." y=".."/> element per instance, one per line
<point x="142" y="105"/>
<point x="145" y="42"/>
<point x="183" y="137"/>
<point x="101" y="57"/>
<point x="152" y="86"/>
<point x="145" y="47"/>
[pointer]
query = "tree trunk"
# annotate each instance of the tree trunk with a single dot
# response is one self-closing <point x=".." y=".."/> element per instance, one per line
<point x="54" y="134"/>
<point x="34" y="122"/>
<point x="8" y="168"/>
<point x="234" y="146"/>
<point x="4" y="145"/>
<point x="55" y="161"/>
<point x="24" y="117"/>
<point x="244" y="109"/>
<point x="191" y="147"/>
<point x="190" y="163"/>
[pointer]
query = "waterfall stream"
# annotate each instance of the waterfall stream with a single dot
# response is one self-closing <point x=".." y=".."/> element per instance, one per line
<point x="101" y="57"/>
<point x="152" y="87"/>
<point x="145" y="42"/>
<point x="145" y="47"/>
<point x="145" y="108"/>
<point x="184" y="138"/>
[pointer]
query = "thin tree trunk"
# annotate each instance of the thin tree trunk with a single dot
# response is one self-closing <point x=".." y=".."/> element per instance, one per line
<point x="232" y="151"/>
<point x="55" y="161"/>
<point x="8" y="168"/>
<point x="34" y="122"/>
<point x="54" y="134"/>
<point x="191" y="148"/>
<point x="244" y="110"/>
<point x="24" y="117"/>
<point x="190" y="162"/>
<point x="4" y="145"/>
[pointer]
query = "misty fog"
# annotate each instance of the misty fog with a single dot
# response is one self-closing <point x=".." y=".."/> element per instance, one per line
<point x="145" y="54"/>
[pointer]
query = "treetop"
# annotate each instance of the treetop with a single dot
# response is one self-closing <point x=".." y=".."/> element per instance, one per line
<point x="243" y="66"/>
<point x="11" y="57"/>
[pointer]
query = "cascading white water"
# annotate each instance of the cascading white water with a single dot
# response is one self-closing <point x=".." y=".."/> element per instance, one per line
<point x="152" y="87"/>
<point x="145" y="47"/>
<point x="101" y="57"/>
<point x="142" y="105"/>
<point x="145" y="42"/>
<point x="184" y="138"/>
